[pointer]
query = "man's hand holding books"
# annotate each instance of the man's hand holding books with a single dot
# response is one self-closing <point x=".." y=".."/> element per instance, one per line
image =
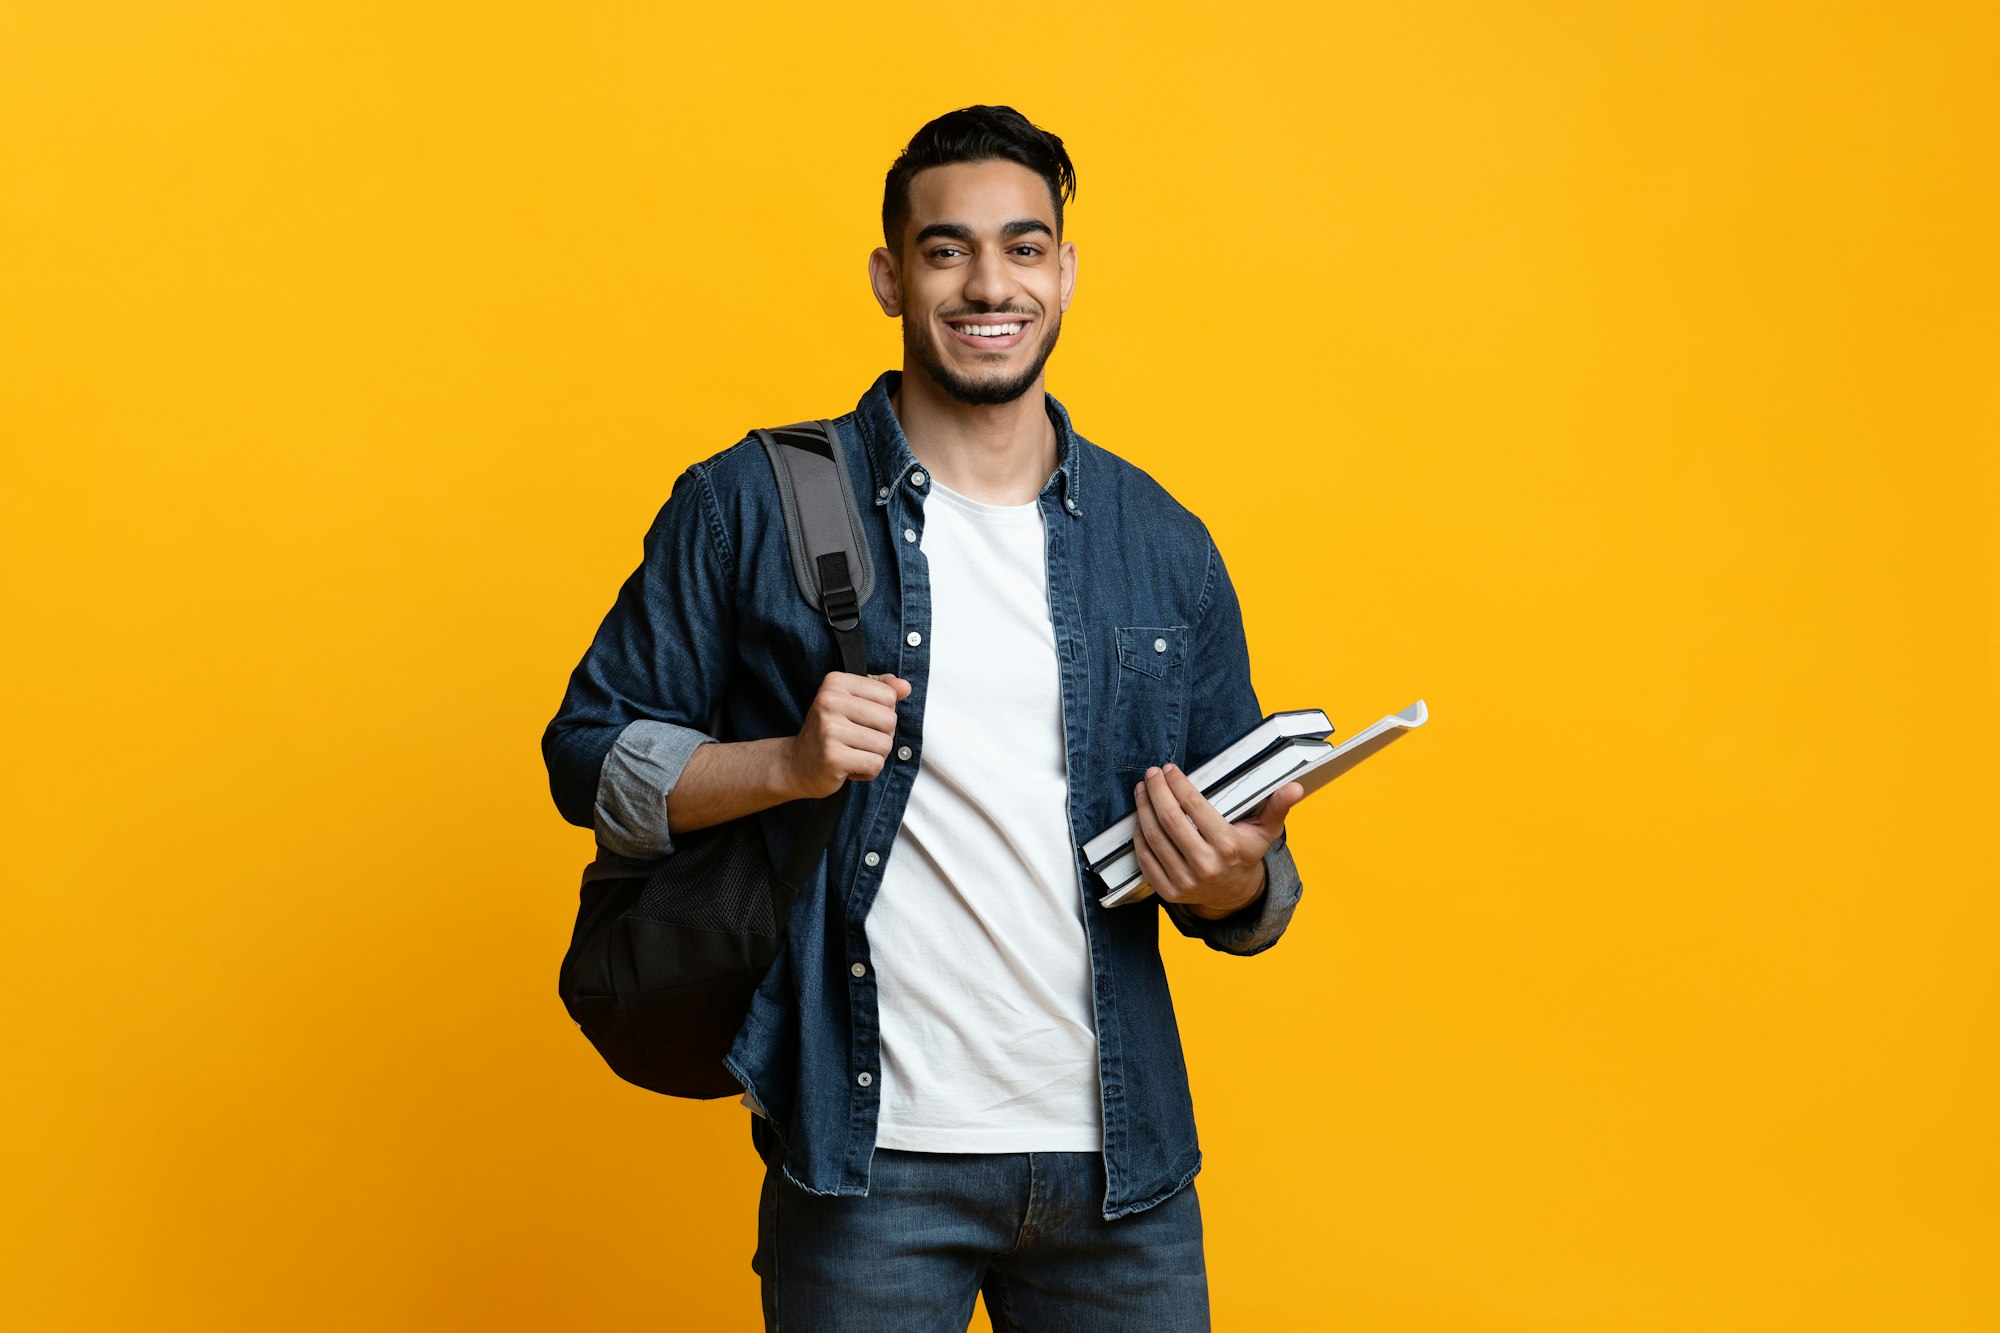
<point x="1192" y="855"/>
<point x="1204" y="834"/>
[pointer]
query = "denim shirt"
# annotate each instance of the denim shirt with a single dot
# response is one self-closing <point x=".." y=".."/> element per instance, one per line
<point x="710" y="639"/>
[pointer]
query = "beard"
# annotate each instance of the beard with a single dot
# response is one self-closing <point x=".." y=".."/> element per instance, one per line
<point x="919" y="347"/>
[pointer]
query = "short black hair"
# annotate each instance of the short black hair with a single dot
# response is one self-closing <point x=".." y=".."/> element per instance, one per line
<point x="975" y="134"/>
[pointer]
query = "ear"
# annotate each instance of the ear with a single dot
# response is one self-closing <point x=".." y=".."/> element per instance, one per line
<point x="886" y="282"/>
<point x="1066" y="262"/>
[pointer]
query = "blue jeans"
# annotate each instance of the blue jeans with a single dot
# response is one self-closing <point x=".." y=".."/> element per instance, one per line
<point x="937" y="1230"/>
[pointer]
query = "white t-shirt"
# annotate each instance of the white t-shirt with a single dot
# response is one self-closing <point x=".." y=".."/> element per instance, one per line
<point x="982" y="970"/>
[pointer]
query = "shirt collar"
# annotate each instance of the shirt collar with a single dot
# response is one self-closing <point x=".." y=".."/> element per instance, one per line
<point x="891" y="461"/>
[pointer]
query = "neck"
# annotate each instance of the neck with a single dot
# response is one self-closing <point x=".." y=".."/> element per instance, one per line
<point x="998" y="453"/>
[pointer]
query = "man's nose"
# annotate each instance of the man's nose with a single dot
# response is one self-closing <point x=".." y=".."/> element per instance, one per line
<point x="987" y="280"/>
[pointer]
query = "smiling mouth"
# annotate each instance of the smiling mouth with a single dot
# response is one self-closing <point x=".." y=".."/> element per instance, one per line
<point x="991" y="335"/>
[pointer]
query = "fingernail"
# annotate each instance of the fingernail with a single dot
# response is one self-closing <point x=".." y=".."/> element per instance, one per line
<point x="1151" y="771"/>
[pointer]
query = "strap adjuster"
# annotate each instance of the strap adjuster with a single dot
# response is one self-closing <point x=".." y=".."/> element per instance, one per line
<point x="837" y="600"/>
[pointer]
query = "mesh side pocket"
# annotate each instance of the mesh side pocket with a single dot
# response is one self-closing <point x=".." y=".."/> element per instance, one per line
<point x="718" y="878"/>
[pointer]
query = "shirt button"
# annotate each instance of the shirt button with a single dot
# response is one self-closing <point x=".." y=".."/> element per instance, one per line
<point x="1159" y="645"/>
<point x="872" y="859"/>
<point x="859" y="969"/>
<point x="917" y="477"/>
<point x="902" y="752"/>
<point x="864" y="1078"/>
<point x="1070" y="503"/>
<point x="914" y="639"/>
<point x="909" y="535"/>
<point x="882" y="491"/>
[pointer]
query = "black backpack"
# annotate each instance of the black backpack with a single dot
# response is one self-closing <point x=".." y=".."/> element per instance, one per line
<point x="666" y="954"/>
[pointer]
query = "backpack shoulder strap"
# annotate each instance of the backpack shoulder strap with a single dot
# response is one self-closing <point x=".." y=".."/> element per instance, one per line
<point x="822" y="526"/>
<point x="830" y="562"/>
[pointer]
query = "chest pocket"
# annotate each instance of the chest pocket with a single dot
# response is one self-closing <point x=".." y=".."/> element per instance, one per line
<point x="1149" y="707"/>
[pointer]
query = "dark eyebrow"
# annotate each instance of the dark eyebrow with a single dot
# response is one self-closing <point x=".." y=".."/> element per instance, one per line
<point x="958" y="231"/>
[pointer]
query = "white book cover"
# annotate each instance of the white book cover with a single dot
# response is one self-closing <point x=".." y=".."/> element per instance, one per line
<point x="1308" y="761"/>
<point x="1273" y="730"/>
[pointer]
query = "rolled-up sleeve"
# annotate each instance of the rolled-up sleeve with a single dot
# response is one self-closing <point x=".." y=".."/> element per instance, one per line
<point x="1255" y="926"/>
<point x="640" y="772"/>
<point x="644" y="695"/>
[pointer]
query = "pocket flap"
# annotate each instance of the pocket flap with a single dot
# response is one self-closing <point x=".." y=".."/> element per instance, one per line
<point x="1153" y="649"/>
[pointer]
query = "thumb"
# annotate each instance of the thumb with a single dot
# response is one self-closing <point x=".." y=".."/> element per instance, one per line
<point x="894" y="681"/>
<point x="1271" y="819"/>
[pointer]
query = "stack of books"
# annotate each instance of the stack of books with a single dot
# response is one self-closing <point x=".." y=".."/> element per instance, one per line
<point x="1285" y="747"/>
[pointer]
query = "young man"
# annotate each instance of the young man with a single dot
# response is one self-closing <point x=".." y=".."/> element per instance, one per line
<point x="964" y="1074"/>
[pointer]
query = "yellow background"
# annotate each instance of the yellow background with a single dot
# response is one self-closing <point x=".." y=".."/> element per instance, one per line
<point x="1621" y="381"/>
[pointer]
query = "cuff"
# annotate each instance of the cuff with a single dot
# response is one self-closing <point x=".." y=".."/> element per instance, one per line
<point x="639" y="772"/>
<point x="1256" y="925"/>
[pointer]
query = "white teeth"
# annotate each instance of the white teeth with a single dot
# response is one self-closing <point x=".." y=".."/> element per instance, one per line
<point x="989" y="330"/>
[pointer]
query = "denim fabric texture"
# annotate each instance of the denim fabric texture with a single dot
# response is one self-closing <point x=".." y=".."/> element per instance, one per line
<point x="939" y="1230"/>
<point x="710" y="639"/>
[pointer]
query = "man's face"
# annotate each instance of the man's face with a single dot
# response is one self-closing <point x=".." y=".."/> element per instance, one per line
<point x="979" y="252"/>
